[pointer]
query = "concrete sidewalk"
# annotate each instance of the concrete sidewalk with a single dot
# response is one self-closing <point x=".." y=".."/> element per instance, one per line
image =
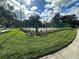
<point x="70" y="52"/>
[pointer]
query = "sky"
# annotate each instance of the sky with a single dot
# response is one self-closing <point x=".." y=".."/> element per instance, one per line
<point x="45" y="8"/>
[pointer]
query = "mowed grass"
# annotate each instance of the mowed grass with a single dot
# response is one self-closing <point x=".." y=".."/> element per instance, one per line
<point x="19" y="46"/>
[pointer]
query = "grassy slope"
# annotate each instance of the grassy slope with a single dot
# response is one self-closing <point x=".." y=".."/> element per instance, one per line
<point x="6" y="35"/>
<point x="21" y="46"/>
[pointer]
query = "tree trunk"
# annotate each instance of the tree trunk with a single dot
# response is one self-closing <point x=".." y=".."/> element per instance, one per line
<point x="36" y="31"/>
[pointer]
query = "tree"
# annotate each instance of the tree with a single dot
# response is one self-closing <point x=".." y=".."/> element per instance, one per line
<point x="70" y="19"/>
<point x="34" y="21"/>
<point x="3" y="2"/>
<point x="8" y="13"/>
<point x="56" y="20"/>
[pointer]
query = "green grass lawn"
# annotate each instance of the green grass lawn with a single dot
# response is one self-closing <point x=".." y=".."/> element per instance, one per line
<point x="20" y="46"/>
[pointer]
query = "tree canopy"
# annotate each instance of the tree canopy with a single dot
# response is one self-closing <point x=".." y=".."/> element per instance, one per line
<point x="7" y="14"/>
<point x="64" y="21"/>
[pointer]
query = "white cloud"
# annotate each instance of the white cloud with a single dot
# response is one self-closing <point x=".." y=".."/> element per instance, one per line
<point x="77" y="4"/>
<point x="27" y="2"/>
<point x="24" y="10"/>
<point x="58" y="2"/>
<point x="34" y="8"/>
<point x="73" y="10"/>
<point x="14" y="3"/>
<point x="23" y="7"/>
<point x="57" y="9"/>
<point x="48" y="6"/>
<point x="48" y="0"/>
<point x="46" y="15"/>
<point x="26" y="13"/>
<point x="55" y="5"/>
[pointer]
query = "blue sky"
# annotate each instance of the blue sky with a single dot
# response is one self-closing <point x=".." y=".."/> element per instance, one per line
<point x="39" y="4"/>
<point x="46" y="8"/>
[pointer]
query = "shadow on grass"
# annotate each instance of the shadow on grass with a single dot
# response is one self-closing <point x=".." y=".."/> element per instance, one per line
<point x="7" y="38"/>
<point x="59" y="48"/>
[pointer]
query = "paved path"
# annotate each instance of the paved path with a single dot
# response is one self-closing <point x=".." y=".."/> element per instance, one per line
<point x="70" y="52"/>
<point x="2" y="31"/>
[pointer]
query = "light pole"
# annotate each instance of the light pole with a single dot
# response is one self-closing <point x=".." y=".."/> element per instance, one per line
<point x="20" y="11"/>
<point x="46" y="24"/>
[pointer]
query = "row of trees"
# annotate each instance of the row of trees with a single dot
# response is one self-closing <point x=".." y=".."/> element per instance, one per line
<point x="65" y="21"/>
<point x="57" y="21"/>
